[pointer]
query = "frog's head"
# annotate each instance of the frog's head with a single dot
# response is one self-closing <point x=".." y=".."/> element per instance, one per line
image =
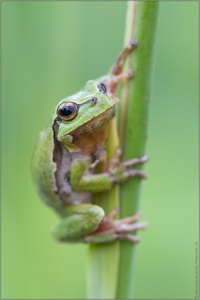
<point x="85" y="115"/>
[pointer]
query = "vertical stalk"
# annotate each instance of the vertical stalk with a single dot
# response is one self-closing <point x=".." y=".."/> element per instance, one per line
<point x="103" y="259"/>
<point x="111" y="266"/>
<point x="133" y="119"/>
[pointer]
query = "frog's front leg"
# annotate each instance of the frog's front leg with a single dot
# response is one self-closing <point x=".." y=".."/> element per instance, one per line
<point x="82" y="179"/>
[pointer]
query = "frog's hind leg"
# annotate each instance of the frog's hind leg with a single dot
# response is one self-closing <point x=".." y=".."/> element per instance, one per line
<point x="117" y="67"/>
<point x="116" y="73"/>
<point x="112" y="84"/>
<point x="77" y="222"/>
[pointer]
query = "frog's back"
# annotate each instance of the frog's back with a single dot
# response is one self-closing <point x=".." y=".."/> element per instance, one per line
<point x="43" y="168"/>
<point x="52" y="179"/>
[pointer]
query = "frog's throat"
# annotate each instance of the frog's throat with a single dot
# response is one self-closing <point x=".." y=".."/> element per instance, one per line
<point x="88" y="136"/>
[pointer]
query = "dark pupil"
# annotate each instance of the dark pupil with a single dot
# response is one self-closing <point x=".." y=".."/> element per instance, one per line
<point x="66" y="110"/>
<point x="102" y="88"/>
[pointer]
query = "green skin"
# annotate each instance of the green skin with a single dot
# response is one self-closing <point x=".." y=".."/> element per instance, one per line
<point x="66" y="165"/>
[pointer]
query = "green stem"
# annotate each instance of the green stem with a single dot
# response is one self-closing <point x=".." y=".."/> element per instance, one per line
<point x="133" y="118"/>
<point x="103" y="259"/>
<point x="111" y="265"/>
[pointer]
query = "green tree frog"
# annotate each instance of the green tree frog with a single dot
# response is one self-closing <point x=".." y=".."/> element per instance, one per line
<point x="66" y="160"/>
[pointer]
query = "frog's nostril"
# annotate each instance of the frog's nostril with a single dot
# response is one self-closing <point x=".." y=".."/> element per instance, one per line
<point x="93" y="100"/>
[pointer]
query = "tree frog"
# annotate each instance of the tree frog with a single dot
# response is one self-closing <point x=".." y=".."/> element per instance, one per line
<point x="67" y="156"/>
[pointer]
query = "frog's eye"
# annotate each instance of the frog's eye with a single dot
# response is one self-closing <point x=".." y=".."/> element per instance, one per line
<point x="102" y="87"/>
<point x="67" y="111"/>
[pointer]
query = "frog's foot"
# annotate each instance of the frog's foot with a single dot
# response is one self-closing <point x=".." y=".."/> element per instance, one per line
<point x="111" y="230"/>
<point x="138" y="160"/>
<point x="129" y="163"/>
<point x="121" y="171"/>
<point x="115" y="160"/>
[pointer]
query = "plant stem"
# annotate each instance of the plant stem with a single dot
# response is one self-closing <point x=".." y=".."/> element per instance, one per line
<point x="109" y="263"/>
<point x="133" y="118"/>
<point x="103" y="259"/>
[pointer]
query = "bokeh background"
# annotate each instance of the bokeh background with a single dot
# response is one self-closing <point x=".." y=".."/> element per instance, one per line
<point x="49" y="50"/>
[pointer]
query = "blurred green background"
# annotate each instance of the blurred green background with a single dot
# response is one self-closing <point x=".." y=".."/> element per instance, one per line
<point x="49" y="50"/>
